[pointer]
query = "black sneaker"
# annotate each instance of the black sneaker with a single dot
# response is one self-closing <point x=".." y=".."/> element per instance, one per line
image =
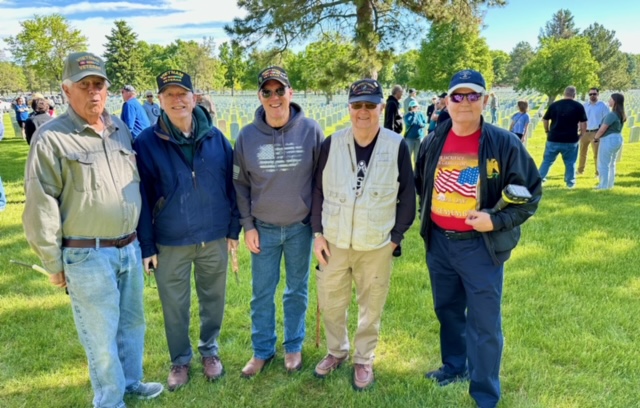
<point x="443" y="377"/>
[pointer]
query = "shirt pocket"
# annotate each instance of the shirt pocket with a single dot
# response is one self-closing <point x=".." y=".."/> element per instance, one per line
<point x="84" y="172"/>
<point x="130" y="168"/>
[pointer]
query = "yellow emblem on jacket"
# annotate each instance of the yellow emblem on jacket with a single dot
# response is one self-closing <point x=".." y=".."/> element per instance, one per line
<point x="493" y="168"/>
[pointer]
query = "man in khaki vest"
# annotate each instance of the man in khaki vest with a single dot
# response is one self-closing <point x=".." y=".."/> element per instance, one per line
<point x="363" y="203"/>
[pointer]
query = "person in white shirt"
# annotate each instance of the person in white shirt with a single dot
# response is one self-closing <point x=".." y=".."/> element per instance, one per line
<point x="596" y="111"/>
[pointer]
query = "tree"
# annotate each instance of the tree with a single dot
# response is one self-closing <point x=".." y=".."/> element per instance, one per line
<point x="43" y="44"/>
<point x="386" y="74"/>
<point x="124" y="63"/>
<point x="500" y="61"/>
<point x="330" y="64"/>
<point x="558" y="64"/>
<point x="373" y="25"/>
<point x="405" y="71"/>
<point x="257" y="60"/>
<point x="605" y="48"/>
<point x="449" y="48"/>
<point x="231" y="56"/>
<point x="12" y="78"/>
<point x="299" y="76"/>
<point x="560" y="26"/>
<point x="519" y="57"/>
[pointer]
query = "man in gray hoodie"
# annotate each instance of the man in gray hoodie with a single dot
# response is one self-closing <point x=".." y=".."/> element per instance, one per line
<point x="274" y="161"/>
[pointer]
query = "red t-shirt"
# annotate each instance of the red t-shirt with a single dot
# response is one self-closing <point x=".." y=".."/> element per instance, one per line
<point x="456" y="182"/>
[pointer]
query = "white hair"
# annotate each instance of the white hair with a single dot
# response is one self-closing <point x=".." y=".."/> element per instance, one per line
<point x="68" y="83"/>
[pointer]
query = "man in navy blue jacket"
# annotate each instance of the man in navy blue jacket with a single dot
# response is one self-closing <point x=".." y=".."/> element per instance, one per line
<point x="189" y="217"/>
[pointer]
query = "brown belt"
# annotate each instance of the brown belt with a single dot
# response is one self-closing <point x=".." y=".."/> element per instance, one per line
<point x="98" y="242"/>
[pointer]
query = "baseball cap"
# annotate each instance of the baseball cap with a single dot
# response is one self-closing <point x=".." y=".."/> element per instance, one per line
<point x="148" y="93"/>
<point x="199" y="92"/>
<point x="366" y="90"/>
<point x="412" y="104"/>
<point x="129" y="88"/>
<point x="442" y="95"/>
<point x="411" y="90"/>
<point x="467" y="79"/>
<point x="174" y="77"/>
<point x="79" y="65"/>
<point x="275" y="73"/>
<point x="37" y="95"/>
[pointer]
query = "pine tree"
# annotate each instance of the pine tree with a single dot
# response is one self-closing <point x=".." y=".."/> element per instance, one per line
<point x="123" y="59"/>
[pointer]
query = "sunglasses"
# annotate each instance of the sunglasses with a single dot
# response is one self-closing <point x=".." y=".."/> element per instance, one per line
<point x="471" y="97"/>
<point x="266" y="93"/>
<point x="366" y="105"/>
<point x="593" y="94"/>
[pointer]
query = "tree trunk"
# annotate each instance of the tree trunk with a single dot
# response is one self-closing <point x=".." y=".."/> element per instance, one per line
<point x="550" y="100"/>
<point x="366" y="39"/>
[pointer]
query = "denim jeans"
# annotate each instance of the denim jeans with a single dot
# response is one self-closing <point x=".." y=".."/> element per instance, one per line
<point x="105" y="286"/>
<point x="294" y="241"/>
<point x="467" y="295"/>
<point x="3" y="197"/>
<point x="569" y="152"/>
<point x="494" y="115"/>
<point x="414" y="146"/>
<point x="610" y="146"/>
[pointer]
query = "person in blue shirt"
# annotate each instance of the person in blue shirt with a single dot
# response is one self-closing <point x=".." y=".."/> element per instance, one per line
<point x="520" y="121"/>
<point x="133" y="114"/>
<point x="414" y="123"/>
<point x="22" y="113"/>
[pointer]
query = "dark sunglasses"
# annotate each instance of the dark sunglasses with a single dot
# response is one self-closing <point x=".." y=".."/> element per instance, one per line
<point x="366" y="105"/>
<point x="471" y="97"/>
<point x="593" y="94"/>
<point x="266" y="93"/>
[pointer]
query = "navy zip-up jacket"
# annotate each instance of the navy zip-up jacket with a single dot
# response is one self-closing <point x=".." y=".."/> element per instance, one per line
<point x="184" y="204"/>
<point x="502" y="160"/>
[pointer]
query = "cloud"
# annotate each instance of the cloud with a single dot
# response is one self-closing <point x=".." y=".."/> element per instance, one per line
<point x="158" y="22"/>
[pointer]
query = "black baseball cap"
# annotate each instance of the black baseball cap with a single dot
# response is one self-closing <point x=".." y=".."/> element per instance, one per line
<point x="366" y="90"/>
<point x="174" y="77"/>
<point x="275" y="73"/>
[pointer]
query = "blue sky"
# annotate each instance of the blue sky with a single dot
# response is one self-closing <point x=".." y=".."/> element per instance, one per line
<point x="162" y="21"/>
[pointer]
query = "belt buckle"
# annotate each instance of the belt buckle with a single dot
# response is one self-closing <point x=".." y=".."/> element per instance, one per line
<point x="449" y="234"/>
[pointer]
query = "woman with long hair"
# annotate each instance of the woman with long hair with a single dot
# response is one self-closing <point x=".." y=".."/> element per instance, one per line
<point x="610" y="138"/>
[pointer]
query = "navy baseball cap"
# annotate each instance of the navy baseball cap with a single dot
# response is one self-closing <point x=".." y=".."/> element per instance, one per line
<point x="174" y="77"/>
<point x="275" y="73"/>
<point x="468" y="79"/>
<point x="366" y="90"/>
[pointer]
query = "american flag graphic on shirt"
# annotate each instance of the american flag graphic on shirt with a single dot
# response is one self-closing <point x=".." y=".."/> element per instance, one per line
<point x="462" y="182"/>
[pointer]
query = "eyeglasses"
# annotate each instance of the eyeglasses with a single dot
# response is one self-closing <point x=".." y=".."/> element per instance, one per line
<point x="266" y="93"/>
<point x="593" y="94"/>
<point x="149" y="96"/>
<point x="366" y="105"/>
<point x="471" y="97"/>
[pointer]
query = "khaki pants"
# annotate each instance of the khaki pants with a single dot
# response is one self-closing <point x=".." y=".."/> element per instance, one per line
<point x="585" y="141"/>
<point x="371" y="272"/>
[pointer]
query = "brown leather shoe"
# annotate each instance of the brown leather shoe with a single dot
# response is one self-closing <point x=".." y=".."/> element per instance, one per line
<point x="254" y="366"/>
<point x="293" y="362"/>
<point x="212" y="368"/>
<point x="327" y="365"/>
<point x="178" y="377"/>
<point x="362" y="376"/>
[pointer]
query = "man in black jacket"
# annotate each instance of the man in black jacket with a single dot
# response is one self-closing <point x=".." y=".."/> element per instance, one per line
<point x="392" y="115"/>
<point x="461" y="172"/>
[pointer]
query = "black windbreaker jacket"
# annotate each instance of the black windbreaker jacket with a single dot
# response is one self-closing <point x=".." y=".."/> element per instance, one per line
<point x="502" y="160"/>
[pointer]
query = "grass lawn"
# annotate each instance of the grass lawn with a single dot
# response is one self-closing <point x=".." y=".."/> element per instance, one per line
<point x="571" y="304"/>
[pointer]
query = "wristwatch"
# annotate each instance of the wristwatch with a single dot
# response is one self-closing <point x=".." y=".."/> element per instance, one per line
<point x="317" y="234"/>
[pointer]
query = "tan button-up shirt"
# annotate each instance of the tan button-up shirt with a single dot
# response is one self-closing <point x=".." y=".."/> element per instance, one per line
<point x="79" y="184"/>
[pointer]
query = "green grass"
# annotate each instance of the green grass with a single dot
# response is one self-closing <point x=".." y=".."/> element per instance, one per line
<point x="571" y="304"/>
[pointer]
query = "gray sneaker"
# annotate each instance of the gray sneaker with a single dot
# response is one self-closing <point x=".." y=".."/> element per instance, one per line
<point x="145" y="390"/>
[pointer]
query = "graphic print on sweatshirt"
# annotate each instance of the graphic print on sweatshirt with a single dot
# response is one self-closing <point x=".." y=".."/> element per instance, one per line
<point x="456" y="182"/>
<point x="279" y="158"/>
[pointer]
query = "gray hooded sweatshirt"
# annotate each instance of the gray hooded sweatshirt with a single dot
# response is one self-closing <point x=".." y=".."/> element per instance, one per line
<point x="273" y="169"/>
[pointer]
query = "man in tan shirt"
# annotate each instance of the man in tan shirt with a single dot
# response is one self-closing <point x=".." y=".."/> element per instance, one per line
<point x="81" y="211"/>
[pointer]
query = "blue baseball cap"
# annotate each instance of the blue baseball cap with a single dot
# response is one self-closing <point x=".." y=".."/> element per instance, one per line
<point x="366" y="90"/>
<point x="468" y="79"/>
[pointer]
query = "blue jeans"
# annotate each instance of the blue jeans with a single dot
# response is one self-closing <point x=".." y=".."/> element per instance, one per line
<point x="494" y="115"/>
<point x="3" y="197"/>
<point x="569" y="152"/>
<point x="607" y="152"/>
<point x="105" y="286"/>
<point x="414" y="146"/>
<point x="294" y="241"/>
<point x="467" y="295"/>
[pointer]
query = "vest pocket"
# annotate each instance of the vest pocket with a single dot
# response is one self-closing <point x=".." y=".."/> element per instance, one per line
<point x="83" y="171"/>
<point x="330" y="220"/>
<point x="130" y="167"/>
